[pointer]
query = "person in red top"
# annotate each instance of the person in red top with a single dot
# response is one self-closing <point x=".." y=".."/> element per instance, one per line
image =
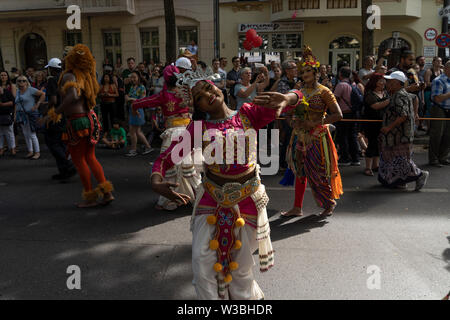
<point x="229" y="218"/>
<point x="108" y="93"/>
<point x="177" y="118"/>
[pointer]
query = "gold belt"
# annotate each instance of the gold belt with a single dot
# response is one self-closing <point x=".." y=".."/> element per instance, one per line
<point x="231" y="193"/>
<point x="173" y="122"/>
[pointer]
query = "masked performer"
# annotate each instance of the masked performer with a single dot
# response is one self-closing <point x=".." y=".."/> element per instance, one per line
<point x="229" y="219"/>
<point x="176" y="112"/>
<point x="79" y="88"/>
<point x="311" y="153"/>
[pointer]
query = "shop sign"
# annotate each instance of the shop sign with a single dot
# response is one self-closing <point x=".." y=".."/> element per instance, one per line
<point x="272" y="27"/>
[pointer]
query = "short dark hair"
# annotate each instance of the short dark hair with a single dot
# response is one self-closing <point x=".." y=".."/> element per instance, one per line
<point x="234" y="59"/>
<point x="345" y="72"/>
<point x="222" y="58"/>
<point x="418" y="58"/>
<point x="215" y="60"/>
<point x="131" y="58"/>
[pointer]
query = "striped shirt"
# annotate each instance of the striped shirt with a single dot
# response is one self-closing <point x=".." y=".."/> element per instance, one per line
<point x="441" y="85"/>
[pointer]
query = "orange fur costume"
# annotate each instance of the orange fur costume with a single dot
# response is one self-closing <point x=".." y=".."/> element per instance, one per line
<point x="80" y="62"/>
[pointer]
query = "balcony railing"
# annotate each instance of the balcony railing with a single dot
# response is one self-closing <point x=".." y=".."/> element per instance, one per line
<point x="304" y="4"/>
<point x="104" y="6"/>
<point x="342" y="4"/>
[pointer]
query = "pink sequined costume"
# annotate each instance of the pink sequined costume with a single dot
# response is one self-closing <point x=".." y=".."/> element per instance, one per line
<point x="229" y="222"/>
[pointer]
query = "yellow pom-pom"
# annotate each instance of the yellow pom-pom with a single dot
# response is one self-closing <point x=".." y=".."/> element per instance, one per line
<point x="211" y="220"/>
<point x="218" y="267"/>
<point x="240" y="223"/>
<point x="234" y="265"/>
<point x="228" y="278"/>
<point x="237" y="245"/>
<point x="214" y="244"/>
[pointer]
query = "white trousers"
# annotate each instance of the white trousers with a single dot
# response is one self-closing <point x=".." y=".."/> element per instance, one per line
<point x="187" y="176"/>
<point x="243" y="286"/>
<point x="31" y="138"/>
<point x="7" y="132"/>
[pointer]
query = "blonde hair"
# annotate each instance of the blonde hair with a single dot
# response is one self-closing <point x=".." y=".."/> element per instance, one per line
<point x="23" y="78"/>
<point x="42" y="73"/>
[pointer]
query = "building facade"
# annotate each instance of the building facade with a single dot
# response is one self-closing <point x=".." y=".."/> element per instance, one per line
<point x="32" y="32"/>
<point x="332" y="28"/>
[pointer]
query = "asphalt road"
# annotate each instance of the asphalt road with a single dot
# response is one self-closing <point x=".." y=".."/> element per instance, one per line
<point x="398" y="241"/>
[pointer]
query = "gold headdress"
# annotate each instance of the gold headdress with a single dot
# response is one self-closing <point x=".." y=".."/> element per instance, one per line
<point x="309" y="59"/>
<point x="81" y="63"/>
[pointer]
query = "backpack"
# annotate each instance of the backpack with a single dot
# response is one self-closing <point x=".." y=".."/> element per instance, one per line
<point x="356" y="100"/>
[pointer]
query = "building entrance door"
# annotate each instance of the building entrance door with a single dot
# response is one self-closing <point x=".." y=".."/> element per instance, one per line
<point x="344" y="57"/>
<point x="344" y="50"/>
<point x="35" y="51"/>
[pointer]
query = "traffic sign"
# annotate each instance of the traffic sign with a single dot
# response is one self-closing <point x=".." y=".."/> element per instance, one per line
<point x="443" y="40"/>
<point x="431" y="34"/>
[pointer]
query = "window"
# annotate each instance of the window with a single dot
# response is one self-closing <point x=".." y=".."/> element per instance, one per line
<point x="277" y="6"/>
<point x="186" y="35"/>
<point x="345" y="43"/>
<point x="304" y="4"/>
<point x="287" y="41"/>
<point x="342" y="4"/>
<point x="113" y="46"/>
<point x="150" y="45"/>
<point x="72" y="38"/>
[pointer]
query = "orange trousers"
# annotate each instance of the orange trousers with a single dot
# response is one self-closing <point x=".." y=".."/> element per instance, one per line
<point x="84" y="159"/>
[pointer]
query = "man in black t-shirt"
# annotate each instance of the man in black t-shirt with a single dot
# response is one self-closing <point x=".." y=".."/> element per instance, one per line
<point x="54" y="129"/>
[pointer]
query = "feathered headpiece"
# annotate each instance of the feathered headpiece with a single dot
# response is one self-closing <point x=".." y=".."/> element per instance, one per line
<point x="81" y="63"/>
<point x="188" y="80"/>
<point x="309" y="59"/>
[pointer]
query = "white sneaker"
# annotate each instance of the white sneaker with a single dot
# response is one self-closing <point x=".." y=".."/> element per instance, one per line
<point x="131" y="153"/>
<point x="422" y="181"/>
<point x="147" y="151"/>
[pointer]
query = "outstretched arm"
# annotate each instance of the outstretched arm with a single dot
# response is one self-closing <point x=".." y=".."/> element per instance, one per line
<point x="150" y="102"/>
<point x="269" y="105"/>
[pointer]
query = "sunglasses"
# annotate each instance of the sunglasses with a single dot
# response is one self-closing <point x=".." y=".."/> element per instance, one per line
<point x="21" y="81"/>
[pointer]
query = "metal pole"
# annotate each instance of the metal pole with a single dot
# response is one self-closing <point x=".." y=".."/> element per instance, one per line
<point x="217" y="29"/>
<point x="444" y="30"/>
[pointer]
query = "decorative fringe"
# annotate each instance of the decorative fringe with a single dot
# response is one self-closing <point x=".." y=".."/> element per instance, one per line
<point x="90" y="196"/>
<point x="53" y="117"/>
<point x="106" y="187"/>
<point x="71" y="84"/>
<point x="336" y="181"/>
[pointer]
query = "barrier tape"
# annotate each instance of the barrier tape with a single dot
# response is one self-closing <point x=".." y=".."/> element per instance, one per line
<point x="367" y="120"/>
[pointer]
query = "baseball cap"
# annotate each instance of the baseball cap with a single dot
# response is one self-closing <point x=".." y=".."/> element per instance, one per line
<point x="184" y="63"/>
<point x="54" y="63"/>
<point x="397" y="75"/>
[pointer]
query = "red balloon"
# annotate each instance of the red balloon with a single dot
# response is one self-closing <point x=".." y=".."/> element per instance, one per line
<point x="251" y="34"/>
<point x="258" y="42"/>
<point x="247" y="45"/>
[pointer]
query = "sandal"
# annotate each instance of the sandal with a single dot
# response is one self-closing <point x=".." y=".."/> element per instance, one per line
<point x="287" y="214"/>
<point x="368" y="172"/>
<point x="328" y="212"/>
